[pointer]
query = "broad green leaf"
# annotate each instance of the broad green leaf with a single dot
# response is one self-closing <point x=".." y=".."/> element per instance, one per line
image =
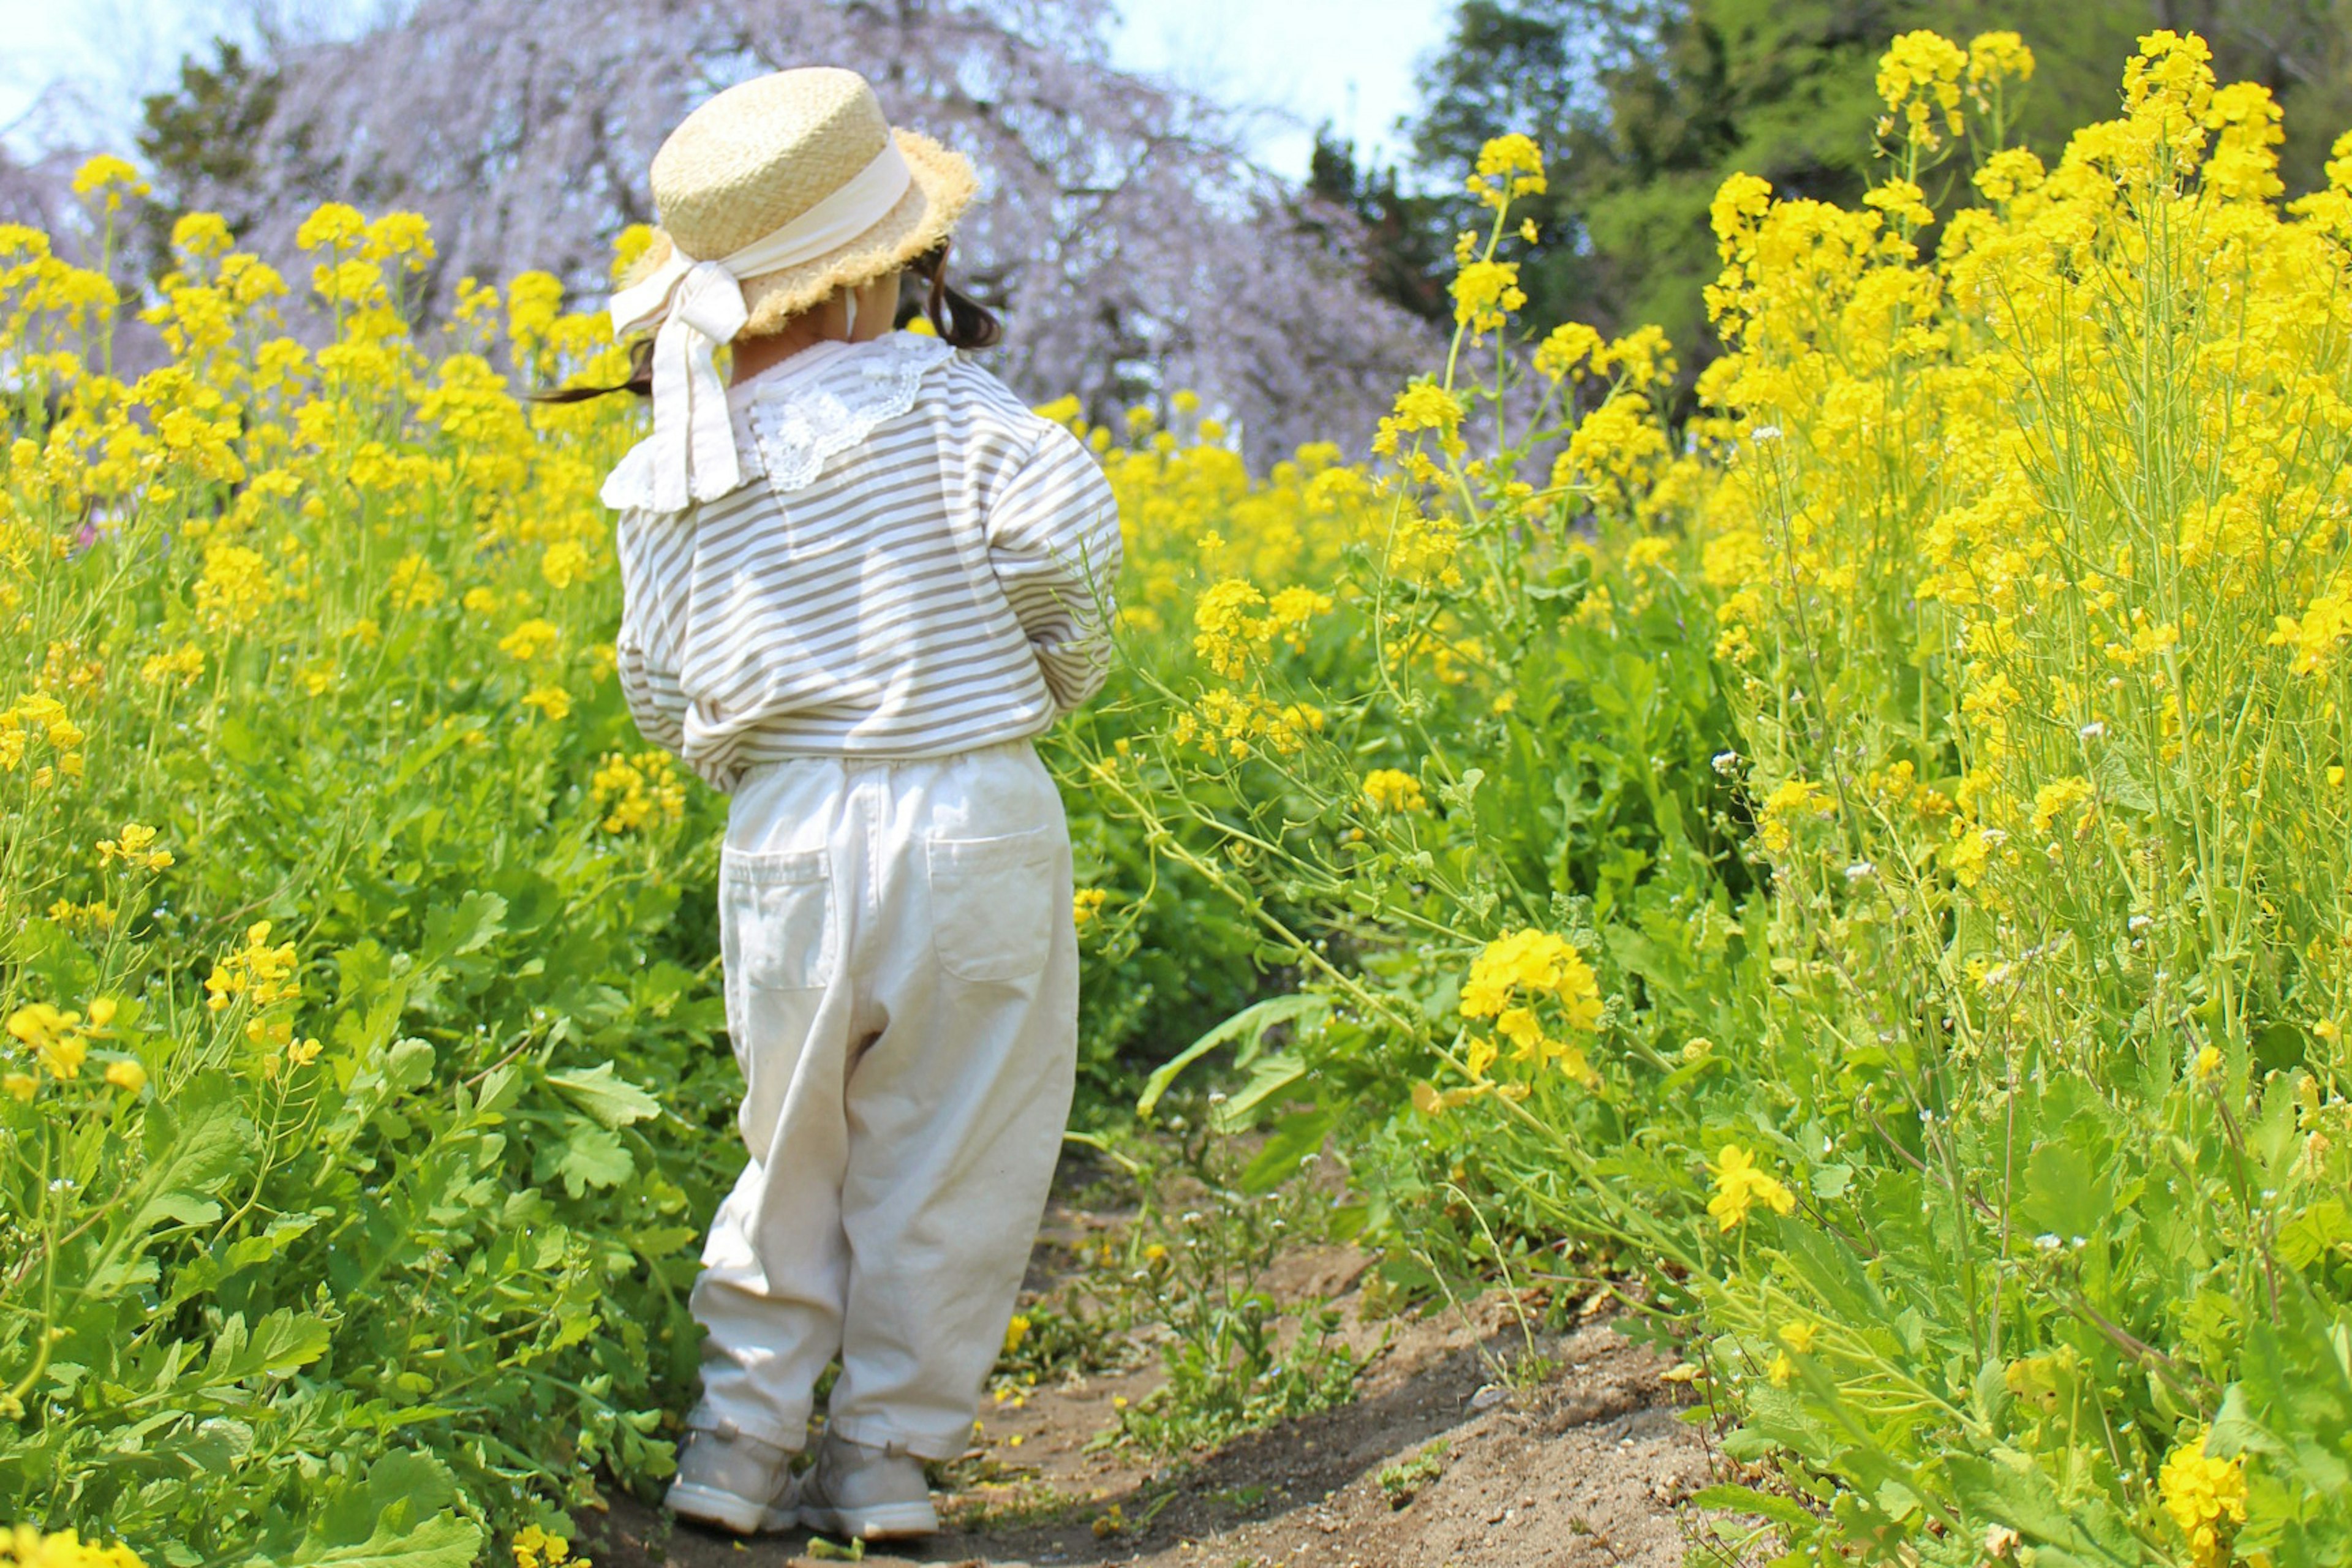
<point x="2064" y="1197"/>
<point x="469" y="927"/>
<point x="189" y="1155"/>
<point x="593" y="1157"/>
<point x="1269" y="1076"/>
<point x="1747" y="1500"/>
<point x="603" y="1094"/>
<point x="1252" y="1020"/>
<point x="1296" y="1138"/>
<point x="2010" y="1490"/>
<point x="282" y="1343"/>
<point x="444" y="1540"/>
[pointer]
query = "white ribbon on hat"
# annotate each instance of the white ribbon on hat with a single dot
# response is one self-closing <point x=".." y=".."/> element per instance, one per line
<point x="696" y="305"/>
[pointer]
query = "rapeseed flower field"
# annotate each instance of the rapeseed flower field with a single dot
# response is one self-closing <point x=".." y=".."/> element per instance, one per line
<point x="1856" y="872"/>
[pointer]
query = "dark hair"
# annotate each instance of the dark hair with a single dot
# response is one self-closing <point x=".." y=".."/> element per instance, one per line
<point x="640" y="382"/>
<point x="959" y="319"/>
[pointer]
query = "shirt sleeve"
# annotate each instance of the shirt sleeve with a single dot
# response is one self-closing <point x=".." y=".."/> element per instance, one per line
<point x="653" y="549"/>
<point x="1053" y="541"/>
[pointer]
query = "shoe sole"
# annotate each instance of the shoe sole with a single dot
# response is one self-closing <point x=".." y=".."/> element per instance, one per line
<point x="725" y="1510"/>
<point x="883" y="1521"/>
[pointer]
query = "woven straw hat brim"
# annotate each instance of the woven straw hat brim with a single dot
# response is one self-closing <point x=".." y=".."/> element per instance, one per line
<point x="943" y="187"/>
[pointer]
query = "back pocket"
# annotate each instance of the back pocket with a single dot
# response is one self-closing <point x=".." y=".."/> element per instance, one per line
<point x="992" y="903"/>
<point x="775" y="919"/>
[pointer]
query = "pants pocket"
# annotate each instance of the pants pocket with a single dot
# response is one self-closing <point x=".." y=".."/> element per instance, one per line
<point x="775" y="919"/>
<point x="993" y="903"/>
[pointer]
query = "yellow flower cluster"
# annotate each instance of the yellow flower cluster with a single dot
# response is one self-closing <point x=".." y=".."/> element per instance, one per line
<point x="633" y="791"/>
<point x="257" y="972"/>
<point x="1740" y="1184"/>
<point x="1391" y="789"/>
<point x="1230" y="631"/>
<point x="1790" y="804"/>
<point x="1511" y="980"/>
<point x="234" y="588"/>
<point x="1485" y="293"/>
<point x="1239" y="725"/>
<point x="1424" y="407"/>
<point x="532" y="641"/>
<point x="2205" y="1498"/>
<point x="1919" y="81"/>
<point x="535" y="1547"/>
<point x="1508" y="167"/>
<point x="41" y="717"/>
<point x="59" y="1043"/>
<point x="23" y="1546"/>
<point x="135" y="849"/>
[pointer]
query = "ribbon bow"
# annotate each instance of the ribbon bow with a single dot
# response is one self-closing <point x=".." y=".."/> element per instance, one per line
<point x="695" y="305"/>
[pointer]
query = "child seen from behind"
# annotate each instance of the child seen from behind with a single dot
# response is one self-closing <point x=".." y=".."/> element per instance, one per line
<point x="858" y="581"/>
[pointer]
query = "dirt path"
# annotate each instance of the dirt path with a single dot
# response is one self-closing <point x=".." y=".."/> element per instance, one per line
<point x="1436" y="1464"/>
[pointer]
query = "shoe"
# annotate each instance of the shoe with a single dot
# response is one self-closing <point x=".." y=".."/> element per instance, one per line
<point x="734" y="1481"/>
<point x="866" y="1494"/>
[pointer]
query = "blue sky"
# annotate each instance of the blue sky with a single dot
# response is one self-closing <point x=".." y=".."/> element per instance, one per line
<point x="1303" y="61"/>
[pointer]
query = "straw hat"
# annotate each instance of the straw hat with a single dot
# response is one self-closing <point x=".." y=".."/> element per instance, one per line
<point x="766" y="152"/>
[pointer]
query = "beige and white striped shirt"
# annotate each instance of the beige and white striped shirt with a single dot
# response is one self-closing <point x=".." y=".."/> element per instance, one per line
<point x="918" y="565"/>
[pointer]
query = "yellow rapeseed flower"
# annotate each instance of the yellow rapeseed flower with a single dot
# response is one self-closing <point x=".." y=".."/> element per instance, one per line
<point x="533" y="640"/>
<point x="1529" y="964"/>
<point x="2206" y="1499"/>
<point x="551" y="700"/>
<point x="109" y="178"/>
<point x="1485" y="293"/>
<point x="1391" y="789"/>
<point x="1508" y="166"/>
<point x="54" y="1037"/>
<point x="1791" y="801"/>
<point x="1739" y="1185"/>
<point x="24" y="1546"/>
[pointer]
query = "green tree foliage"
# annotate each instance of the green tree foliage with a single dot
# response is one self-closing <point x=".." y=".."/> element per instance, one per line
<point x="1645" y="106"/>
<point x="201" y="135"/>
<point x="1405" y="232"/>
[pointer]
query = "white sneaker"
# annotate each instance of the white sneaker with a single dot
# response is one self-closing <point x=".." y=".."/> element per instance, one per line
<point x="866" y="1494"/>
<point x="734" y="1481"/>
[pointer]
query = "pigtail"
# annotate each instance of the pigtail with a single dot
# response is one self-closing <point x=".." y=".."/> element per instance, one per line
<point x="640" y="382"/>
<point x="958" y="318"/>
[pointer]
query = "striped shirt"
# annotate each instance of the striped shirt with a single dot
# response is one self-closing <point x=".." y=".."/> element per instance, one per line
<point x="918" y="565"/>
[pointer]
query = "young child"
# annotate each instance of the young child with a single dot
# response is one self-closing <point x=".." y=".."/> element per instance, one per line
<point x="858" y="581"/>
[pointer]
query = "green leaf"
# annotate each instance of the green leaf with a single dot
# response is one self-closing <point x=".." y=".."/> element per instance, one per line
<point x="248" y="1250"/>
<point x="2120" y="783"/>
<point x="593" y="1157"/>
<point x="282" y="1344"/>
<point x="1252" y="1020"/>
<point x="1296" y="1137"/>
<point x="444" y="1540"/>
<point x="191" y="1150"/>
<point x="476" y="919"/>
<point x="1269" y="1078"/>
<point x="606" y="1096"/>
<point x="2010" y="1490"/>
<point x="2065" y="1196"/>
<point x="1747" y="1500"/>
<point x="408" y="1065"/>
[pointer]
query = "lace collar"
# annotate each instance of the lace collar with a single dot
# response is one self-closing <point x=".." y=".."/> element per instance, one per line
<point x="813" y="405"/>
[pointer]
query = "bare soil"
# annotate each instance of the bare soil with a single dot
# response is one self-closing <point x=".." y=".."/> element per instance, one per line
<point x="1578" y="1460"/>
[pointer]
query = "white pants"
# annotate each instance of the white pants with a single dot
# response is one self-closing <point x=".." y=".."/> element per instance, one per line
<point x="901" y="969"/>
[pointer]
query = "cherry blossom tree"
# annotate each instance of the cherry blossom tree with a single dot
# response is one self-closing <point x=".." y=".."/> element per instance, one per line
<point x="1131" y="246"/>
